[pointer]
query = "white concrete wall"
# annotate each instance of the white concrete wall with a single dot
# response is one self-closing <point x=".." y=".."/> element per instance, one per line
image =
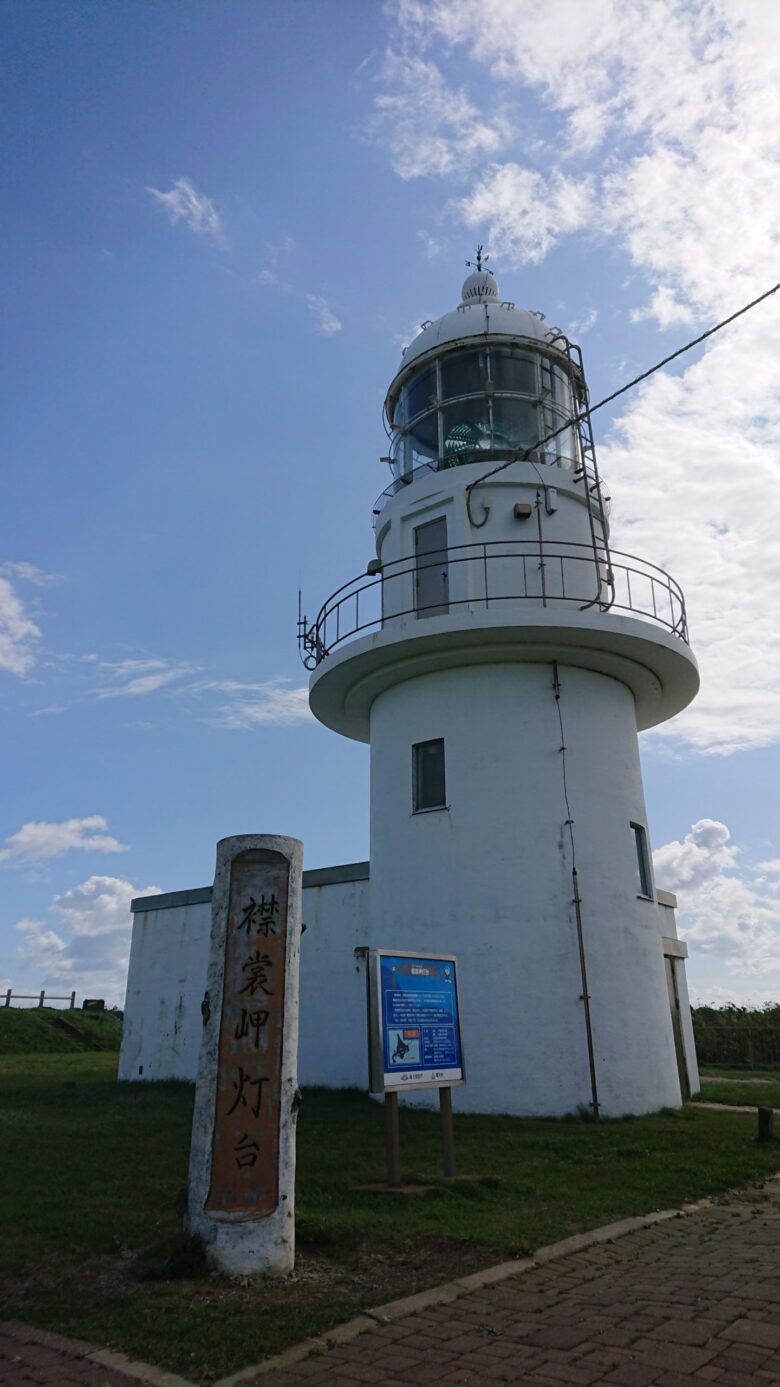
<point x="167" y="979"/>
<point x="565" y="530"/>
<point x="667" y="924"/>
<point x="333" y="1044"/>
<point x="490" y="879"/>
<point x="165" y="985"/>
<point x="500" y="897"/>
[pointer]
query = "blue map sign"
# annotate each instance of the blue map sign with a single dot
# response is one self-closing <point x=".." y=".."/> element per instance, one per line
<point x="417" y="1041"/>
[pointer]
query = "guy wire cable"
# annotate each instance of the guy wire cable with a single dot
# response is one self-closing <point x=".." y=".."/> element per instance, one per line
<point x="522" y="454"/>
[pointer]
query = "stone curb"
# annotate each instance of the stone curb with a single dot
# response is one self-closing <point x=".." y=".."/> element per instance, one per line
<point x="106" y="1358"/>
<point x="340" y="1334"/>
<point x="452" y="1290"/>
<point x="370" y="1319"/>
<point x="732" y="1107"/>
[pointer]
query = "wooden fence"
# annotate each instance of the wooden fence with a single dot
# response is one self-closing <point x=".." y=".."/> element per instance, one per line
<point x="39" y="997"/>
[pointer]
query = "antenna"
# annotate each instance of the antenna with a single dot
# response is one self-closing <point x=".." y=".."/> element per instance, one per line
<point x="480" y="261"/>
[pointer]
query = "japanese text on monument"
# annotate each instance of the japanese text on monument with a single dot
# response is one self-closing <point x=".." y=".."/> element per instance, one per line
<point x="244" y="1174"/>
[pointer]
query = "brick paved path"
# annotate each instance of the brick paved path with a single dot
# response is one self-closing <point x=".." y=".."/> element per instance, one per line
<point x="686" y="1303"/>
<point x="29" y="1358"/>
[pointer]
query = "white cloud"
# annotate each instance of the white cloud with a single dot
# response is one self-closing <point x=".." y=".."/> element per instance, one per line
<point x="90" y="947"/>
<point x="184" y="203"/>
<point x="581" y="326"/>
<point x="526" y="212"/>
<point x="428" y="127"/>
<point x="664" y="308"/>
<point x="325" y="319"/>
<point x="770" y="868"/>
<point x="725" y="910"/>
<point x="258" y="705"/>
<point x="39" y="841"/>
<point x="137" y="678"/>
<point x="29" y="573"/>
<point x="687" y="96"/>
<point x="694" y="462"/>
<point x="19" y="634"/>
<point x="656" y="129"/>
<point x="432" y="247"/>
<point x="704" y="852"/>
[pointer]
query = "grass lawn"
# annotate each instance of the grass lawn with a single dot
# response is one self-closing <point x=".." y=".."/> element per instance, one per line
<point x="93" y="1170"/>
<point x="756" y="1087"/>
<point x="50" y="1030"/>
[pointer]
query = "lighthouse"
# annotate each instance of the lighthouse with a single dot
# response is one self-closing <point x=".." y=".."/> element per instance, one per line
<point x="500" y="657"/>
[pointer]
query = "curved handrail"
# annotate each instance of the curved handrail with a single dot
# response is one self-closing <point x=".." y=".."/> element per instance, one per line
<point x="547" y="574"/>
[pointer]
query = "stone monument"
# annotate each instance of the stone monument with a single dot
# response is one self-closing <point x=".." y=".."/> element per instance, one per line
<point x="241" y="1192"/>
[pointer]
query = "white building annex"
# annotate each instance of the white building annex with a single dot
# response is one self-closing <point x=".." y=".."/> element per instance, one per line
<point x="500" y="657"/>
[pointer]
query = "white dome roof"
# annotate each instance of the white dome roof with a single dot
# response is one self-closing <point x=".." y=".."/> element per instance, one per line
<point x="481" y="312"/>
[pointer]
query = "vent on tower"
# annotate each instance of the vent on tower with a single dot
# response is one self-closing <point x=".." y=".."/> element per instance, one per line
<point x="481" y="284"/>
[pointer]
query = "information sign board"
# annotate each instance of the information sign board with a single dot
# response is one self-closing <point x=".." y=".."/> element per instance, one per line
<point x="414" y="1021"/>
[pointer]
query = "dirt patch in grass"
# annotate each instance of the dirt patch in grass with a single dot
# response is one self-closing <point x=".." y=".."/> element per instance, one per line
<point x="329" y="1285"/>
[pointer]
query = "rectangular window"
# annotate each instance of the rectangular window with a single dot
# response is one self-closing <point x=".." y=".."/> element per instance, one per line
<point x="643" y="874"/>
<point x="428" y="787"/>
<point x="431" y="569"/>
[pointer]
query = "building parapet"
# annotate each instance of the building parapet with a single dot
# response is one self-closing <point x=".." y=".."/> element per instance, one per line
<point x="201" y="895"/>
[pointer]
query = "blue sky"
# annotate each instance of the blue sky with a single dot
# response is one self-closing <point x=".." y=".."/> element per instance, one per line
<point x="222" y="222"/>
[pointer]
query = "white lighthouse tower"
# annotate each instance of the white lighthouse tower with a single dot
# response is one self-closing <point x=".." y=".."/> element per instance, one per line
<point x="500" y="658"/>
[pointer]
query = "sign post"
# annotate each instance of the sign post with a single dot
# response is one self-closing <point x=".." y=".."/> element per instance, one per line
<point x="415" y="1039"/>
<point x="241" y="1194"/>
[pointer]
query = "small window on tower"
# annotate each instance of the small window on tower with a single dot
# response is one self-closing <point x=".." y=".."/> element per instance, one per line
<point x="644" y="877"/>
<point x="428" y="788"/>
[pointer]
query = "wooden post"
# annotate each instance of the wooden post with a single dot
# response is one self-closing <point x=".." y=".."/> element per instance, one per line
<point x="40" y="1000"/>
<point x="73" y="1001"/>
<point x="447" y="1131"/>
<point x="8" y="996"/>
<point x="392" y="1140"/>
<point x="765" y="1121"/>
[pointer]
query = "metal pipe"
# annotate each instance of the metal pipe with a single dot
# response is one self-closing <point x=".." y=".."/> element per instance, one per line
<point x="447" y="1132"/>
<point x="577" y="903"/>
<point x="392" y="1140"/>
<point x="585" y="995"/>
<point x="541" y="547"/>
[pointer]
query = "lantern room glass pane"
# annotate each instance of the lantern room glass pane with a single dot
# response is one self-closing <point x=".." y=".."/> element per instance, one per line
<point x="561" y="390"/>
<point x="513" y="370"/>
<point x="463" y="374"/>
<point x="424" y="437"/>
<point x="516" y="423"/>
<point x="399" y="452"/>
<point x="466" y="430"/>
<point x="420" y="393"/>
<point x="563" y="449"/>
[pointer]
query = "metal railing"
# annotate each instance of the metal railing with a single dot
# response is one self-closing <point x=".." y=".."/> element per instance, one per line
<point x="495" y="572"/>
<point x="39" y="998"/>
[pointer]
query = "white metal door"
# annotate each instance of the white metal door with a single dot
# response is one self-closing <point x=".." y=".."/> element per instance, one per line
<point x="431" y="576"/>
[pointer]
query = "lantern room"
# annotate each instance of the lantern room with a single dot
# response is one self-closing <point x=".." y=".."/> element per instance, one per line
<point x="485" y="381"/>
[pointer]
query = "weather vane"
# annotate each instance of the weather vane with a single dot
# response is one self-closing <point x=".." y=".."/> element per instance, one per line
<point x="480" y="261"/>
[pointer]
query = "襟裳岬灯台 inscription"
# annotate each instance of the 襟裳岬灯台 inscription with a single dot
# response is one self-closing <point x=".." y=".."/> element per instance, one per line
<point x="242" y="1163"/>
